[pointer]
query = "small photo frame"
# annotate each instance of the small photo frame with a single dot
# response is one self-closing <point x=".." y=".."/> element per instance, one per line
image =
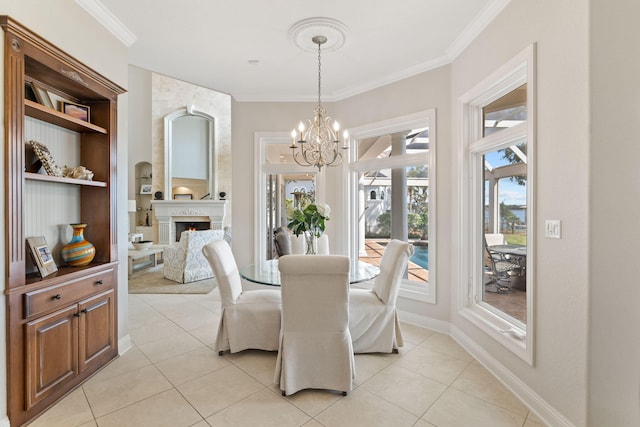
<point x="41" y="254"/>
<point x="42" y="96"/>
<point x="145" y="189"/>
<point x="78" y="111"/>
<point x="45" y="157"/>
<point x="183" y="196"/>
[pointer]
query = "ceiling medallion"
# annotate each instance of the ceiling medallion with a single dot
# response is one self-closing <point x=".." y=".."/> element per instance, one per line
<point x="302" y="33"/>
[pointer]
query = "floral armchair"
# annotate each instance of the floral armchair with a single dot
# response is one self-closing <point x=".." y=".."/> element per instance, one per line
<point x="184" y="262"/>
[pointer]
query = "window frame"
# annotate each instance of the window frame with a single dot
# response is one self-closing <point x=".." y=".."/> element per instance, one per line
<point x="408" y="289"/>
<point x="511" y="333"/>
<point x="262" y="169"/>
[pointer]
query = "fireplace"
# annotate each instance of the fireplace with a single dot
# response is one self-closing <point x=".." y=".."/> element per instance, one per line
<point x="190" y="226"/>
<point x="170" y="212"/>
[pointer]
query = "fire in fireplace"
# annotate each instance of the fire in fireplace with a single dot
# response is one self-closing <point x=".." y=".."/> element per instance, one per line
<point x="190" y="226"/>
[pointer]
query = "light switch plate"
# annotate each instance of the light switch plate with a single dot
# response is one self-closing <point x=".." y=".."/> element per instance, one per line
<point x="552" y="228"/>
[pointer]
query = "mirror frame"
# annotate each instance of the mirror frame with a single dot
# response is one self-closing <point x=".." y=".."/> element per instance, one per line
<point x="190" y="110"/>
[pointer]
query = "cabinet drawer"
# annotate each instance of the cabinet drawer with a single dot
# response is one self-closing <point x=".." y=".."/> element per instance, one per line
<point x="54" y="297"/>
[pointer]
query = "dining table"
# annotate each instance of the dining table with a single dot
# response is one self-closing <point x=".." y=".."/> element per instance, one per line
<point x="267" y="273"/>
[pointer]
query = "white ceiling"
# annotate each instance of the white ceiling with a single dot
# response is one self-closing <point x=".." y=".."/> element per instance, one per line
<point x="211" y="42"/>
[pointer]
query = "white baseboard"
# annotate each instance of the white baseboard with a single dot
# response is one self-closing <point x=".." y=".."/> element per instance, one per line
<point x="529" y="397"/>
<point x="124" y="345"/>
<point x="425" y="322"/>
<point x="4" y="422"/>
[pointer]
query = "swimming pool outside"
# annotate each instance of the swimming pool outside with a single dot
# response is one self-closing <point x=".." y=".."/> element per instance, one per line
<point x="421" y="256"/>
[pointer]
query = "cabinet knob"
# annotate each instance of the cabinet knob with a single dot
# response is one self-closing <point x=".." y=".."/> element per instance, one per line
<point x="81" y="313"/>
<point x="99" y="282"/>
<point x="56" y="296"/>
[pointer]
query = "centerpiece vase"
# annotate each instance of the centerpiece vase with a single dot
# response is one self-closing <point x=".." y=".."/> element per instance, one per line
<point x="312" y="242"/>
<point x="78" y="252"/>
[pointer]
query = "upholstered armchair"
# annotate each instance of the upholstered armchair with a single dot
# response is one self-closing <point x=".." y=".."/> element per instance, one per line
<point x="184" y="262"/>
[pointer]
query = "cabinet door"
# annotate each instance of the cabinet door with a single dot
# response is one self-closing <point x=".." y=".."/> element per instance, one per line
<point x="52" y="353"/>
<point x="96" y="332"/>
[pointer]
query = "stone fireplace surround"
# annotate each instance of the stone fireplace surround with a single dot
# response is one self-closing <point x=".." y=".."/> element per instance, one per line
<point x="168" y="212"/>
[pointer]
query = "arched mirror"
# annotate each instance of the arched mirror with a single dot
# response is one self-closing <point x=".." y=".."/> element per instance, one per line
<point x="190" y="158"/>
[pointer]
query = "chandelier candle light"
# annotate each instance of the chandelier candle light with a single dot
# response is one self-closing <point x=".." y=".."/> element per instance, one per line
<point x="319" y="144"/>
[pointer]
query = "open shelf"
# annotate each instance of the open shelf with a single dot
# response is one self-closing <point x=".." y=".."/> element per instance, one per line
<point x="62" y="179"/>
<point x="39" y="111"/>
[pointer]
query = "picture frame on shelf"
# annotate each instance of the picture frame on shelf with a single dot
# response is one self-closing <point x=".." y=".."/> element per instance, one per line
<point x="29" y="93"/>
<point x="41" y="254"/>
<point x="78" y="111"/>
<point x="42" y="96"/>
<point x="182" y="196"/>
<point x="145" y="189"/>
<point x="45" y="157"/>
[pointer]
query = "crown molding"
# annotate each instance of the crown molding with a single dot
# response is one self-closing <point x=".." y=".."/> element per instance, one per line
<point x="475" y="27"/>
<point x="101" y="14"/>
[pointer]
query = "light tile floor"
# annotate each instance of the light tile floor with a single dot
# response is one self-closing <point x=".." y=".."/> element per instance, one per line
<point x="172" y="377"/>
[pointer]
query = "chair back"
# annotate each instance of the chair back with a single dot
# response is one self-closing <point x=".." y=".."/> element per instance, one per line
<point x="225" y="270"/>
<point x="298" y="244"/>
<point x="492" y="239"/>
<point x="392" y="266"/>
<point x="315" y="293"/>
<point x="282" y="241"/>
<point x="323" y="245"/>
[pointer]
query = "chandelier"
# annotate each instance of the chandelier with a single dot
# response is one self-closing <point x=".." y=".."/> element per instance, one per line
<point x="319" y="144"/>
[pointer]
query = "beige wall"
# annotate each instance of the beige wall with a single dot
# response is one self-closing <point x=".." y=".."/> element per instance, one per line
<point x="614" y="207"/>
<point x="100" y="50"/>
<point x="560" y="30"/>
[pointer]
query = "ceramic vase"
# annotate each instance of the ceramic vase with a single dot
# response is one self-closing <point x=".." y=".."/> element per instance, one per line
<point x="78" y="252"/>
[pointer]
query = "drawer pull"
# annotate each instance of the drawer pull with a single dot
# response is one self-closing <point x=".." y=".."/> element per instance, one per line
<point x="81" y="313"/>
<point x="56" y="297"/>
<point x="99" y="282"/>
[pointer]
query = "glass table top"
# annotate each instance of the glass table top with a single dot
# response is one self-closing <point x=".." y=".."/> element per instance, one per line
<point x="267" y="273"/>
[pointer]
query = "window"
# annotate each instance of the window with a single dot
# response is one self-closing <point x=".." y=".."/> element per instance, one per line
<point x="497" y="212"/>
<point x="393" y="195"/>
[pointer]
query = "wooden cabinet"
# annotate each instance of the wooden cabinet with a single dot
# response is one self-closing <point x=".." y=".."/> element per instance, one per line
<point x="67" y="342"/>
<point x="61" y="328"/>
<point x="52" y="353"/>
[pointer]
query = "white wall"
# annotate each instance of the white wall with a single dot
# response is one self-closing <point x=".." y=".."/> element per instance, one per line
<point x="614" y="336"/>
<point x="140" y="127"/>
<point x="52" y="20"/>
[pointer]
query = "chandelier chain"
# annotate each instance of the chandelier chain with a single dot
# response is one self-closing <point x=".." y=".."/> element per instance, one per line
<point x="319" y="72"/>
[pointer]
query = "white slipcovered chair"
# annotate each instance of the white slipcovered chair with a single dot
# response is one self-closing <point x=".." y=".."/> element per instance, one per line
<point x="298" y="244"/>
<point x="323" y="245"/>
<point x="373" y="319"/>
<point x="493" y="239"/>
<point x="184" y="262"/>
<point x="315" y="345"/>
<point x="249" y="319"/>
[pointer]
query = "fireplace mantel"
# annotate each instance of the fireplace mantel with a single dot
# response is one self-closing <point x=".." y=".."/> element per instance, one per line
<point x="167" y="212"/>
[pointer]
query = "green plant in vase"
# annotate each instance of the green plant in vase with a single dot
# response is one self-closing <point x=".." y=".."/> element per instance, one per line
<point x="310" y="219"/>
